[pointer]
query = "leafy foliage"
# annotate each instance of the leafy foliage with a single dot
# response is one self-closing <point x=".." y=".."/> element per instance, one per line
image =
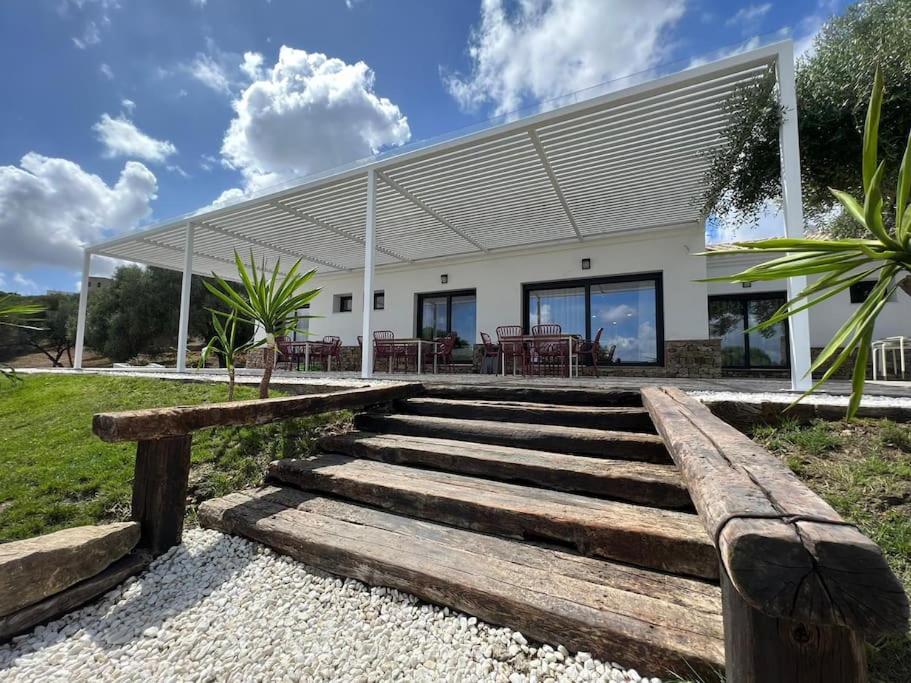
<point x="224" y="344"/>
<point x="19" y="315"/>
<point x="267" y="302"/>
<point x="831" y="100"/>
<point x="838" y="264"/>
<point x="138" y="313"/>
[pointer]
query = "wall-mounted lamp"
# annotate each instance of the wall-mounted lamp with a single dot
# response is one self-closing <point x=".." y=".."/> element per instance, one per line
<point x="444" y="278"/>
<point x="746" y="285"/>
<point x="586" y="264"/>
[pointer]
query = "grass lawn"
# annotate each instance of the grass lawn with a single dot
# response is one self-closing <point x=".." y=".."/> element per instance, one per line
<point x="57" y="474"/>
<point x="863" y="470"/>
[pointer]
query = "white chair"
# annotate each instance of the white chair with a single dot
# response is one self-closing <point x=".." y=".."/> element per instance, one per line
<point x="895" y="345"/>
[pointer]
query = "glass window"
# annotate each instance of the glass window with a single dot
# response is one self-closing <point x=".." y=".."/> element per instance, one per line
<point x="379" y="300"/>
<point x="564" y="306"/>
<point x="626" y="308"/>
<point x="450" y="313"/>
<point x="729" y="319"/>
<point x="301" y="324"/>
<point x="628" y="313"/>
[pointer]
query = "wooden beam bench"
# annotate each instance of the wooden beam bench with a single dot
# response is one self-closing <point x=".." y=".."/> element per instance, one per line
<point x="800" y="586"/>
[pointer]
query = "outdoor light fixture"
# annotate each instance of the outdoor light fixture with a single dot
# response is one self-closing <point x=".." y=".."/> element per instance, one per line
<point x="444" y="278"/>
<point x="586" y="264"/>
<point x="746" y="285"/>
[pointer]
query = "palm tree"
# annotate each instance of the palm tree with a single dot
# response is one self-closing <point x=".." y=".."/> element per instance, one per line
<point x="224" y="343"/>
<point x="10" y="311"/>
<point x="267" y="302"/>
<point x="840" y="263"/>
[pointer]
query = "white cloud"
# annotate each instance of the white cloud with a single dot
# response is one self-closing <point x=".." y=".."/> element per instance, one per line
<point x="309" y="112"/>
<point x="210" y="72"/>
<point x="106" y="71"/>
<point x="538" y="50"/>
<point x="732" y="228"/>
<point x="253" y="65"/>
<point x="50" y="208"/>
<point x="749" y="16"/>
<point x="121" y="137"/>
<point x="24" y="285"/>
<point x="128" y="105"/>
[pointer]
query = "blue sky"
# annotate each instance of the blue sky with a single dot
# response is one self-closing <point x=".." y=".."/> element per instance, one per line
<point x="122" y="113"/>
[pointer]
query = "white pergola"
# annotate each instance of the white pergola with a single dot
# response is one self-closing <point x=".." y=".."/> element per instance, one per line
<point x="630" y="160"/>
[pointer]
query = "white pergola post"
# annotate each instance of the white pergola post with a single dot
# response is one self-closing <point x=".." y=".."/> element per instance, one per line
<point x="83" y="308"/>
<point x="369" y="251"/>
<point x="792" y="206"/>
<point x="184" y="324"/>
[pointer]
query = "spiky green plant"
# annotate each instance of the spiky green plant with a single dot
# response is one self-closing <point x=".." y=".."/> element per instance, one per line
<point x="15" y="314"/>
<point x="224" y="343"/>
<point x="267" y="302"/>
<point x="840" y="263"/>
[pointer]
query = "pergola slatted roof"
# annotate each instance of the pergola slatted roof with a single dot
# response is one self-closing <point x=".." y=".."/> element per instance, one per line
<point x="629" y="160"/>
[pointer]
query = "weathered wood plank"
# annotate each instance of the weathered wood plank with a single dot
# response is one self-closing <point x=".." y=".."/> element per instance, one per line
<point x="573" y="440"/>
<point x="160" y="491"/>
<point x="648" y="537"/>
<point x="535" y="590"/>
<point x="745" y="416"/>
<point x="73" y="597"/>
<point x="637" y="482"/>
<point x="157" y="423"/>
<point x="631" y="419"/>
<point x="36" y="568"/>
<point x="761" y="648"/>
<point x="820" y="572"/>
<point x="558" y="395"/>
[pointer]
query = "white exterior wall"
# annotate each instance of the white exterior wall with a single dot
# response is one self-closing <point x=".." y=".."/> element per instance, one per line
<point x="826" y="317"/>
<point x="498" y="280"/>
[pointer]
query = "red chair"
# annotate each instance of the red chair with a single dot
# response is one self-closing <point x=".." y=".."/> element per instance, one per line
<point x="513" y="349"/>
<point x="441" y="351"/>
<point x="286" y="352"/>
<point x="384" y="349"/>
<point x="491" y="350"/>
<point x="329" y="348"/>
<point x="592" y="349"/>
<point x="549" y="353"/>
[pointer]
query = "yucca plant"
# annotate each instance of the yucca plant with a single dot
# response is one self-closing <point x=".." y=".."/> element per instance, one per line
<point x="15" y="314"/>
<point x="224" y="343"/>
<point x="840" y="263"/>
<point x="267" y="302"/>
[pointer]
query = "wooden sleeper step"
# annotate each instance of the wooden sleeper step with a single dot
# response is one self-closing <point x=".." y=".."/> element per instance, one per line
<point x="574" y="440"/>
<point x="630" y="419"/>
<point x="662" y="623"/>
<point x="555" y="395"/>
<point x="648" y="537"/>
<point x="636" y="482"/>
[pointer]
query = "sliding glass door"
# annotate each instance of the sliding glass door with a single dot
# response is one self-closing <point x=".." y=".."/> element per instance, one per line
<point x="450" y="313"/>
<point x="730" y="317"/>
<point x="628" y="308"/>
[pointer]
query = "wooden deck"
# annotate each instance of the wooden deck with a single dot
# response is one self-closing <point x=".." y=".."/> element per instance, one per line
<point x="556" y="511"/>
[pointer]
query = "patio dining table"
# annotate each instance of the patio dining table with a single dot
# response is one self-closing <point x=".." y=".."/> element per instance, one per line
<point x="416" y="342"/>
<point x="569" y="339"/>
<point x="296" y="346"/>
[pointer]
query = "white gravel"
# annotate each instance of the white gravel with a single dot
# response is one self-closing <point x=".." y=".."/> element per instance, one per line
<point x="222" y="608"/>
<point x="819" y="399"/>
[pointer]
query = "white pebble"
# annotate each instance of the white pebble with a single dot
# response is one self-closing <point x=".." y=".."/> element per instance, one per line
<point x="223" y="608"/>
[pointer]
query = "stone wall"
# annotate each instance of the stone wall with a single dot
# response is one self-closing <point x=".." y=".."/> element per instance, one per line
<point x="844" y="372"/>
<point x="683" y="358"/>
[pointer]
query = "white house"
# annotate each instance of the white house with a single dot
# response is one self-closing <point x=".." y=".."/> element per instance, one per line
<point x="587" y="215"/>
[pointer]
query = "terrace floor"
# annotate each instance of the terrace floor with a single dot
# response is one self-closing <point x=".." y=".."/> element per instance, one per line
<point x="301" y="380"/>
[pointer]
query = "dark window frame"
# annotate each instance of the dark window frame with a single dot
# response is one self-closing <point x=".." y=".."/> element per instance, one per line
<point x="656" y="277"/>
<point x="745" y="298"/>
<point x="860" y="291"/>
<point x="419" y="318"/>
<point x="342" y="300"/>
<point x="379" y="293"/>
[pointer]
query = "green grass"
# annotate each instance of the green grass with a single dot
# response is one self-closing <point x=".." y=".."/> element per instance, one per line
<point x="57" y="474"/>
<point x="862" y="469"/>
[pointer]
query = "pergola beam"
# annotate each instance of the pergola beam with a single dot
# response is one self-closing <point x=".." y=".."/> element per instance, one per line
<point x="83" y="309"/>
<point x="185" y="284"/>
<point x="545" y="164"/>
<point x="429" y="211"/>
<point x="319" y="223"/>
<point x="266" y="245"/>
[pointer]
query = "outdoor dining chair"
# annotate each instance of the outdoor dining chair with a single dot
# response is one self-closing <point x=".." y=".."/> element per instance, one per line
<point x="286" y="352"/>
<point x="330" y="347"/>
<point x="491" y="355"/>
<point x="385" y="349"/>
<point x="440" y="352"/>
<point x="512" y="350"/>
<point x="592" y="350"/>
<point x="549" y="353"/>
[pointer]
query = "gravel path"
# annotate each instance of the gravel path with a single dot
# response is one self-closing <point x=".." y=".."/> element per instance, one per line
<point x="819" y="399"/>
<point x="222" y="608"/>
